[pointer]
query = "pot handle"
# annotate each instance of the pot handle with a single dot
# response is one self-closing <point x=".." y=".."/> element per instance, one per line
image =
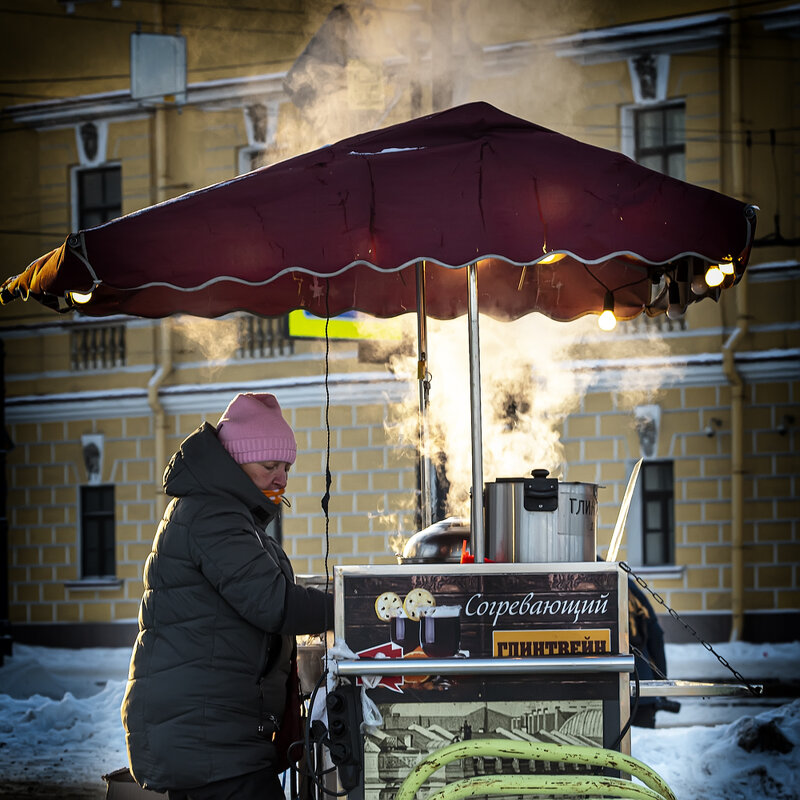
<point x="540" y="493"/>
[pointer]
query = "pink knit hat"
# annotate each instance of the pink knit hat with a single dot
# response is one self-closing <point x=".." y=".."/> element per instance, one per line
<point x="252" y="428"/>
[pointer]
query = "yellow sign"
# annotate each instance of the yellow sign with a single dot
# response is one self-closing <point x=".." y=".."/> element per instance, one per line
<point x="540" y="644"/>
<point x="351" y="325"/>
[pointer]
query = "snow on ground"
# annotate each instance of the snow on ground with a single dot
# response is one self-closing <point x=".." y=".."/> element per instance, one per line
<point x="60" y="723"/>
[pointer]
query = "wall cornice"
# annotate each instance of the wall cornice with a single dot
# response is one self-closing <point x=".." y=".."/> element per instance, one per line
<point x="368" y="388"/>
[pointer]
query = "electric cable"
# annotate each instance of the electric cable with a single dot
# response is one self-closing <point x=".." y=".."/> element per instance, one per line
<point x="754" y="5"/>
<point x="325" y="508"/>
<point x="309" y="773"/>
<point x="70" y="20"/>
<point x="634" y="709"/>
<point x="534" y="40"/>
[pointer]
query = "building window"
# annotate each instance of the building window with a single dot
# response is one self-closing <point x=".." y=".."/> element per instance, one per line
<point x="99" y="195"/>
<point x="660" y="139"/>
<point x="658" y="517"/>
<point x="97" y="532"/>
<point x="94" y="347"/>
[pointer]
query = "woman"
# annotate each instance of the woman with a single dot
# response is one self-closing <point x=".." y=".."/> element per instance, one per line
<point x="207" y="683"/>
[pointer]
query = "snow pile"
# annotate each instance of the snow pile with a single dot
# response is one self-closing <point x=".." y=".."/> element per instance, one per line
<point x="756" y="662"/>
<point x="71" y="740"/>
<point x="60" y="723"/>
<point x="712" y="762"/>
<point x="59" y="714"/>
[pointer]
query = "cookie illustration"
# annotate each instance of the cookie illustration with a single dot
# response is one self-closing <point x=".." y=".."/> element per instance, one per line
<point x="388" y="605"/>
<point x="416" y="601"/>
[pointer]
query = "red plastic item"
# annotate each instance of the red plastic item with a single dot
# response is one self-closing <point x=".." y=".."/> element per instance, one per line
<point x="468" y="558"/>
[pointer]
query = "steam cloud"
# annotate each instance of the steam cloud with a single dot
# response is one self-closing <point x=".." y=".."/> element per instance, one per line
<point x="528" y="385"/>
<point x="217" y="339"/>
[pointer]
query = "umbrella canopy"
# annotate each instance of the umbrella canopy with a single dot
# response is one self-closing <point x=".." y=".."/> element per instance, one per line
<point x="554" y="226"/>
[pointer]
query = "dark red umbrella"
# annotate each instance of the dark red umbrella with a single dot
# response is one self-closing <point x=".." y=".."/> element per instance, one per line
<point x="542" y="223"/>
<point x="343" y="227"/>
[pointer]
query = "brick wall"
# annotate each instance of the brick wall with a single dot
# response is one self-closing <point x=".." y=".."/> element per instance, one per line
<point x="601" y="437"/>
<point x="372" y="497"/>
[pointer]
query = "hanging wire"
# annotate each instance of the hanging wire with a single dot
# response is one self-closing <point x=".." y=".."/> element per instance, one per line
<point x="645" y="277"/>
<point x="326" y="498"/>
<point x="633" y="710"/>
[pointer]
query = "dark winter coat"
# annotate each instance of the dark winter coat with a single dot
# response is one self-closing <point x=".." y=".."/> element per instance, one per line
<point x="216" y="627"/>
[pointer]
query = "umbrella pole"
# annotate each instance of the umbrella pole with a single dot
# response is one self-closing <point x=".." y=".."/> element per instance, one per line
<point x="476" y="515"/>
<point x="424" y="399"/>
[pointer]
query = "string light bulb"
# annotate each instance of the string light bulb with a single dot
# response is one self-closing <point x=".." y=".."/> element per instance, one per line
<point x="714" y="276"/>
<point x="551" y="258"/>
<point x="726" y="267"/>
<point x="607" y="321"/>
<point x="674" y="309"/>
<point x="698" y="284"/>
<point x="80" y="297"/>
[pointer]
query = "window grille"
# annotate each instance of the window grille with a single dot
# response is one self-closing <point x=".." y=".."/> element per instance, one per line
<point x="99" y="195"/>
<point x="261" y="337"/>
<point x="97" y="347"/>
<point x="660" y="139"/>
<point x="658" y="516"/>
<point x="98" y="559"/>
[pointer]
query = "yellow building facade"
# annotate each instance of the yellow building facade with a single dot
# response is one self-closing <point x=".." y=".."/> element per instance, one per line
<point x="93" y="408"/>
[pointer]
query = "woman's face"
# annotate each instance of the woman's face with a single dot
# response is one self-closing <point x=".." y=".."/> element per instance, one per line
<point x="268" y="475"/>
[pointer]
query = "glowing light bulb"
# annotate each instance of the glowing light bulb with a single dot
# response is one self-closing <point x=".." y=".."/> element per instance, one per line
<point x="714" y="276"/>
<point x="607" y="321"/>
<point x="80" y="297"/>
<point x="726" y="267"/>
<point x="552" y="258"/>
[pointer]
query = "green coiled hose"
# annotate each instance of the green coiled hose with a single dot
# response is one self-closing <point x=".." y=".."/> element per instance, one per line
<point x="533" y="785"/>
<point x="578" y="785"/>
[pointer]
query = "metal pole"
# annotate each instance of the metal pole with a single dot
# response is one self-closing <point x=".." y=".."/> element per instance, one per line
<point x="551" y="665"/>
<point x="670" y="688"/>
<point x="424" y="400"/>
<point x="5" y="445"/>
<point x="476" y="515"/>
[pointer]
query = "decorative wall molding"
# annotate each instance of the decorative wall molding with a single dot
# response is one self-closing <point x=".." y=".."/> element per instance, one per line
<point x="621" y="42"/>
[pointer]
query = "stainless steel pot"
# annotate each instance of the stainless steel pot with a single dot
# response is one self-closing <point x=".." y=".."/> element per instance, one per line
<point x="539" y="520"/>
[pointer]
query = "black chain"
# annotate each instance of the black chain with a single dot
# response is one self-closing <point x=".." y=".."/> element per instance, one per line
<point x="637" y="652"/>
<point x="756" y="691"/>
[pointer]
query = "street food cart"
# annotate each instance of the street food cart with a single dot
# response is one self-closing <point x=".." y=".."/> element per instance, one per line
<point x="464" y="211"/>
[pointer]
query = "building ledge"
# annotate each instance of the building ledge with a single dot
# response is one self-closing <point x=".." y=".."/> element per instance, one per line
<point x="94" y="583"/>
<point x="620" y="42"/>
<point x="663" y="571"/>
<point x="118" y="105"/>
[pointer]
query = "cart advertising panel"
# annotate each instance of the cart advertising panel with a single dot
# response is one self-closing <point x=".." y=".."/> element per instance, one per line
<point x="485" y="619"/>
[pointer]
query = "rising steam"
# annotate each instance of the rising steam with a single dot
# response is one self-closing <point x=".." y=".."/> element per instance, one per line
<point x="217" y="339"/>
<point x="528" y="384"/>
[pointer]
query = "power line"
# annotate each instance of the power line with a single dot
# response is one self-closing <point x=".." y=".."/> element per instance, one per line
<point x="71" y="19"/>
<point x="754" y="4"/>
<point x="126" y="76"/>
<point x="741" y="56"/>
<point x="225" y="7"/>
<point x="10" y="232"/>
<point x="549" y="37"/>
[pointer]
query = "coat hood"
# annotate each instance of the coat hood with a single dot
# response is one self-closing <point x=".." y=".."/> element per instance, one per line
<point x="203" y="466"/>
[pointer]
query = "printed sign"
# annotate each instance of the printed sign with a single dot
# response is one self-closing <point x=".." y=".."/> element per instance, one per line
<point x="412" y="731"/>
<point x="477" y="612"/>
<point x="540" y="644"/>
<point x="463" y="612"/>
